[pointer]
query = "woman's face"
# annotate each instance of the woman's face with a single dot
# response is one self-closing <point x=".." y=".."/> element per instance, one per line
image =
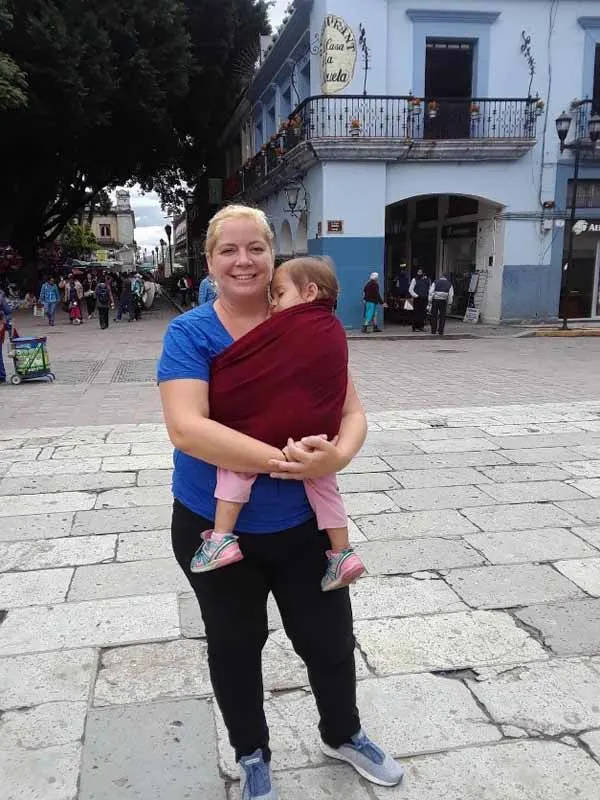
<point x="242" y="260"/>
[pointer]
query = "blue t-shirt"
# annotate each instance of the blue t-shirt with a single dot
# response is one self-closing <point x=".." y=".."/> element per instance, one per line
<point x="191" y="342"/>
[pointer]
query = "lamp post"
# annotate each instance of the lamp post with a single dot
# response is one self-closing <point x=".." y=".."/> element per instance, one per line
<point x="162" y="251"/>
<point x="157" y="261"/>
<point x="169" y="231"/>
<point x="563" y="125"/>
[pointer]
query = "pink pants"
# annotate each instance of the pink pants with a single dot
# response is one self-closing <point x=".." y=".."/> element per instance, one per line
<point x="323" y="495"/>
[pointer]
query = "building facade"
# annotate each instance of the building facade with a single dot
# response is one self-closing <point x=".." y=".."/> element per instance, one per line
<point x="115" y="231"/>
<point x="399" y="132"/>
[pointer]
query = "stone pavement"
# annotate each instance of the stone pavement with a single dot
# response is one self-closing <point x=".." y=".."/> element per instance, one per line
<point x="478" y="625"/>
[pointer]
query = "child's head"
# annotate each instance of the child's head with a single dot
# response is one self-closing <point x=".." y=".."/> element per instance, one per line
<point x="303" y="280"/>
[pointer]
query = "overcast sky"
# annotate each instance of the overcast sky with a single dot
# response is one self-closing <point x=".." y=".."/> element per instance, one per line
<point x="150" y="219"/>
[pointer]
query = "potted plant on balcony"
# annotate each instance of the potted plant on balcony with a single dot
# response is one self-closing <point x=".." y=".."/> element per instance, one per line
<point x="539" y="107"/>
<point x="414" y="105"/>
<point x="475" y="110"/>
<point x="295" y="125"/>
<point x="432" y="108"/>
<point x="355" y="127"/>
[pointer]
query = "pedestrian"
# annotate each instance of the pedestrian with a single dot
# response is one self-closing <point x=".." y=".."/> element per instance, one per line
<point x="89" y="293"/>
<point x="137" y="292"/>
<point x="207" y="292"/>
<point x="124" y="300"/>
<point x="288" y="559"/>
<point x="441" y="297"/>
<point x="182" y="285"/>
<point x="5" y="329"/>
<point x="372" y="299"/>
<point x="74" y="303"/>
<point x="103" y="300"/>
<point x="49" y="298"/>
<point x="419" y="291"/>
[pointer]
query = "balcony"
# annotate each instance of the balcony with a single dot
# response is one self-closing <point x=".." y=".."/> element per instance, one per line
<point x="354" y="128"/>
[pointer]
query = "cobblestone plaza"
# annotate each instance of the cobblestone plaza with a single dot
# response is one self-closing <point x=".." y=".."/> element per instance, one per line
<point x="475" y="505"/>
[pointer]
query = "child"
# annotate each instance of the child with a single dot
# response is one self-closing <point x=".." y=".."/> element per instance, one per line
<point x="303" y="280"/>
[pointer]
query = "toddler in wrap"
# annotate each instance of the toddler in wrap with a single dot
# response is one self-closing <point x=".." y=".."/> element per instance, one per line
<point x="304" y="292"/>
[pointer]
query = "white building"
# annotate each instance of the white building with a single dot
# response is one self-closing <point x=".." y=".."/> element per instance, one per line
<point x="443" y="154"/>
<point x="115" y="231"/>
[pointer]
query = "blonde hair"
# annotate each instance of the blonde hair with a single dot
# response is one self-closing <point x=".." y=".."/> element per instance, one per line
<point x="319" y="271"/>
<point x="236" y="212"/>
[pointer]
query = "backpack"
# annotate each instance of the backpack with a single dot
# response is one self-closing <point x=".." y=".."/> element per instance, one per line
<point x="102" y="295"/>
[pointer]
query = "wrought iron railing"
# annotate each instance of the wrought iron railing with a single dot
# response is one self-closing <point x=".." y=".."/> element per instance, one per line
<point x="400" y="118"/>
<point x="582" y="110"/>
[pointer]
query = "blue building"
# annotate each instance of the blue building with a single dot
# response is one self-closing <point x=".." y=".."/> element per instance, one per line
<point x="422" y="134"/>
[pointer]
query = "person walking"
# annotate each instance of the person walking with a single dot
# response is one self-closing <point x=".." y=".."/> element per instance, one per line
<point x="372" y="299"/>
<point x="50" y="298"/>
<point x="125" y="300"/>
<point x="284" y="552"/>
<point x="5" y="329"/>
<point x="441" y="297"/>
<point x="207" y="291"/>
<point x="182" y="285"/>
<point x="89" y="294"/>
<point x="104" y="300"/>
<point x="419" y="291"/>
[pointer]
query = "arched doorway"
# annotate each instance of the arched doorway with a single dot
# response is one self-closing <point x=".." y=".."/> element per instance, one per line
<point x="286" y="241"/>
<point x="301" y="242"/>
<point x="454" y="235"/>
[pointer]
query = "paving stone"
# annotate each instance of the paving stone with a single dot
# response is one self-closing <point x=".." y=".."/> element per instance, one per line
<point x="136" y="463"/>
<point x="135" y="436"/>
<point x="19" y="589"/>
<point x="388" y="422"/>
<point x="144" y="545"/>
<point x="404" y="557"/>
<point x="516" y="547"/>
<point x="99" y="623"/>
<point x="590" y="486"/>
<point x="48" y="774"/>
<point x="46" y="725"/>
<point x="450" y="476"/>
<point x="403" y="714"/>
<point x="569" y="439"/>
<point x="532" y="770"/>
<point x="35" y="526"/>
<point x="446" y="460"/>
<point x="531" y="492"/>
<point x="366" y="482"/>
<point x="466" y="445"/>
<point x="155" y="477"/>
<point x="585" y="573"/>
<point x="150" y="577"/>
<point x="37" y="484"/>
<point x="25" y="455"/>
<point x="406" y="525"/>
<point x="592" y="739"/>
<point x="91" y="451"/>
<point x="121" y="520"/>
<point x="585" y="510"/>
<point x="373" y="598"/>
<point x="582" y="469"/>
<point x="366" y="464"/>
<point x="514" y="585"/>
<point x="46" y="678"/>
<point x="14" y="505"/>
<point x="135" y="497"/>
<point x="147" y="672"/>
<point x="71" y="466"/>
<point x="190" y="618"/>
<point x="521" y="516"/>
<point x="444" y="642"/>
<point x="587" y="451"/>
<point x="517" y="473"/>
<point x="368" y="503"/>
<point x="549" y="698"/>
<point x="442" y="497"/>
<point x="322" y="783"/>
<point x="355" y="535"/>
<point x="542" y="455"/>
<point x="151" y="752"/>
<point x="152" y="448"/>
<point x="589" y="533"/>
<point x="48" y="553"/>
<point x="568" y="628"/>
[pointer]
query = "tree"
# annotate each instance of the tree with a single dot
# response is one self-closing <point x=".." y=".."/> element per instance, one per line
<point x="13" y="83"/>
<point x="77" y="241"/>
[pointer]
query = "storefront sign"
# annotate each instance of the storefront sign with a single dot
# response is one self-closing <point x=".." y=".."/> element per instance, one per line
<point x="338" y="54"/>
<point x="472" y="315"/>
<point x="335" y="226"/>
<point x="585" y="227"/>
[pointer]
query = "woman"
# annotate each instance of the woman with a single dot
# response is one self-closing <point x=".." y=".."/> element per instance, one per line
<point x="89" y="293"/>
<point x="49" y="297"/>
<point x="283" y="550"/>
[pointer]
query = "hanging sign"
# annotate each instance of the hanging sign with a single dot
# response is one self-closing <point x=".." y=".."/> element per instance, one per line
<point x="584" y="226"/>
<point x="338" y="54"/>
<point x="335" y="226"/>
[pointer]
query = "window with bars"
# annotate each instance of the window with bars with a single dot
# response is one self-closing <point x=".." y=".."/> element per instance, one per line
<point x="105" y="231"/>
<point x="588" y="194"/>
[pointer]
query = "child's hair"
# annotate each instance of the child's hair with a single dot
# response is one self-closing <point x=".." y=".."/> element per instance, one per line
<point x="236" y="212"/>
<point x="319" y="271"/>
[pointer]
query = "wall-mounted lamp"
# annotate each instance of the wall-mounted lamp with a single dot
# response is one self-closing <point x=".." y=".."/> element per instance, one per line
<point x="296" y="199"/>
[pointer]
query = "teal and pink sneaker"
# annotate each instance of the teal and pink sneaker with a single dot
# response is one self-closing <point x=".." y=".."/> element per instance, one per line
<point x="216" y="551"/>
<point x="342" y="569"/>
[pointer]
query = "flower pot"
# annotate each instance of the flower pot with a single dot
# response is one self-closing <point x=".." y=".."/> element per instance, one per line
<point x="432" y="113"/>
<point x="354" y="131"/>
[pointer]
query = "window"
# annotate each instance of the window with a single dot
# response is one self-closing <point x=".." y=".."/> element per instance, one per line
<point x="588" y="194"/>
<point x="105" y="231"/>
<point x="596" y="94"/>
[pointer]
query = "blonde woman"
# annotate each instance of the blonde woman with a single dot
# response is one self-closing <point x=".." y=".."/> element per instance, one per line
<point x="284" y="552"/>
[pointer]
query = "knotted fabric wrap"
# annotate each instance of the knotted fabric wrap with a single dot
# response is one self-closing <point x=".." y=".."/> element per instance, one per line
<point x="286" y="378"/>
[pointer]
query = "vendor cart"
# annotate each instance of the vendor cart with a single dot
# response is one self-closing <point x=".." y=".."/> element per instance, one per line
<point x="30" y="358"/>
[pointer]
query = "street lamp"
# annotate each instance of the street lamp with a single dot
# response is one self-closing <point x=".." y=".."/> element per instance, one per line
<point x="162" y="250"/>
<point x="563" y="125"/>
<point x="169" y="231"/>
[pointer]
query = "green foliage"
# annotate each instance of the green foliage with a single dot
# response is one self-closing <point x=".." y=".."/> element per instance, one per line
<point x="13" y="83"/>
<point x="77" y="240"/>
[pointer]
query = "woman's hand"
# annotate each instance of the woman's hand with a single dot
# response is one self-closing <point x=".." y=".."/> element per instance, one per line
<point x="311" y="457"/>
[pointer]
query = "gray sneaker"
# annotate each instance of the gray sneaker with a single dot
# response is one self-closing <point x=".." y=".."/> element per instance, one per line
<point x="367" y="759"/>
<point x="255" y="778"/>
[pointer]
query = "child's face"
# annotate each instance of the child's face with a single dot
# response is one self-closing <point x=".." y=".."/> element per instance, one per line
<point x="285" y="294"/>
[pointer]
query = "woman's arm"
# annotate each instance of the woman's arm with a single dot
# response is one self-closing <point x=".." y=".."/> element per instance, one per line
<point x="186" y="412"/>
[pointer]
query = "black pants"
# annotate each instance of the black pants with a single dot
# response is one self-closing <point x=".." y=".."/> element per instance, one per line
<point x="233" y="602"/>
<point x="419" y="313"/>
<point x="439" y="308"/>
<point x="103" y="317"/>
